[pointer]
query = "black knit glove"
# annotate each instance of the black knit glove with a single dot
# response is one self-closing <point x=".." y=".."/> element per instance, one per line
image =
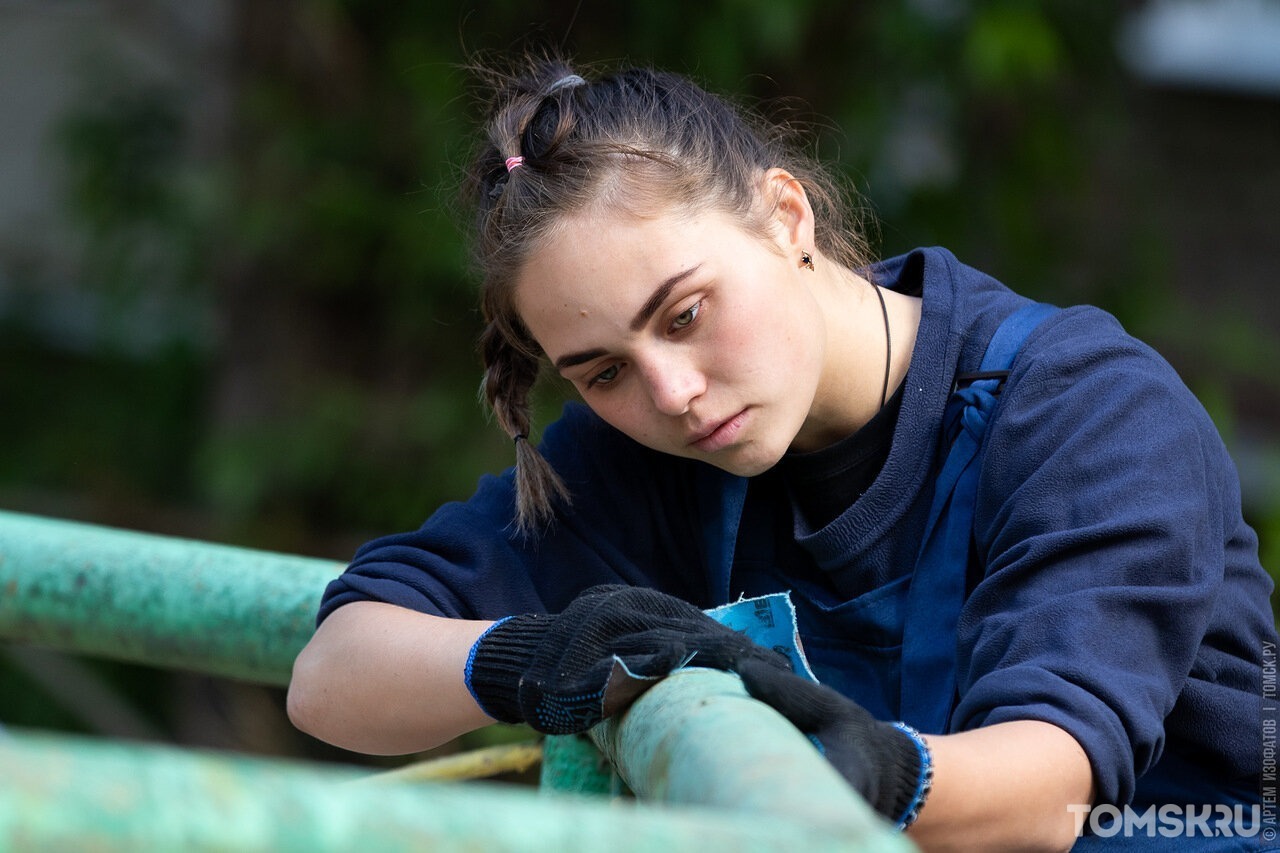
<point x="563" y="674"/>
<point x="887" y="763"/>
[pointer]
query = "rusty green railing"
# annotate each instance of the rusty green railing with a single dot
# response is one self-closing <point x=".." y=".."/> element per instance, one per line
<point x="157" y="600"/>
<point x="727" y="771"/>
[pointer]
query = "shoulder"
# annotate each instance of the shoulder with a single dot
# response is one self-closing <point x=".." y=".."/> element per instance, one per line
<point x="591" y="455"/>
<point x="636" y="507"/>
<point x="1083" y="356"/>
<point x="627" y="522"/>
<point x="1095" y="428"/>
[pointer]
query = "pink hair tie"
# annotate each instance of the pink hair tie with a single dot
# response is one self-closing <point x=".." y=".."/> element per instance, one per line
<point x="512" y="162"/>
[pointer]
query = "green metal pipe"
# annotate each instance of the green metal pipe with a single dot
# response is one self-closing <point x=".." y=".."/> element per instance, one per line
<point x="157" y="600"/>
<point x="73" y="794"/>
<point x="571" y="764"/>
<point x="697" y="738"/>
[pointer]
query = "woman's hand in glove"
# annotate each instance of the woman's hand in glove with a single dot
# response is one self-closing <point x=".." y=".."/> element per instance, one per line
<point x="565" y="673"/>
<point x="887" y="763"/>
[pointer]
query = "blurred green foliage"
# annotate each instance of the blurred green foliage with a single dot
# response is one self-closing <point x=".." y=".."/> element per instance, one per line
<point x="284" y="319"/>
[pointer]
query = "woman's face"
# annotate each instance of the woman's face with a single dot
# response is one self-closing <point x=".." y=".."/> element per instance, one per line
<point x="687" y="333"/>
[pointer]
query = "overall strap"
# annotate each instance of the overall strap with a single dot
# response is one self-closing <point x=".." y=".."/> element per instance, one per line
<point x="938" y="584"/>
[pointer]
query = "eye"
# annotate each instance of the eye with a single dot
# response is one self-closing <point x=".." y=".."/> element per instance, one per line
<point x="685" y="318"/>
<point x="604" y="377"/>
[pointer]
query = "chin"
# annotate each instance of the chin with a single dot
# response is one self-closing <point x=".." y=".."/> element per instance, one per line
<point x="746" y="465"/>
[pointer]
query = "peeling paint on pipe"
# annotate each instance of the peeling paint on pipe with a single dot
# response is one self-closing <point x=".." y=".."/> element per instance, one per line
<point x="109" y="797"/>
<point x="157" y="600"/>
<point x="697" y="738"/>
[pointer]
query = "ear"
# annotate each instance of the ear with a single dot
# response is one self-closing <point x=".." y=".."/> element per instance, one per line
<point x="791" y="210"/>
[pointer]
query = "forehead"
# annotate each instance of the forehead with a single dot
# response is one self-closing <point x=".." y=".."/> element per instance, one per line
<point x="606" y="263"/>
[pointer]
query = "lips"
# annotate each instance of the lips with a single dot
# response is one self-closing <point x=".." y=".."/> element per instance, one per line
<point x="721" y="435"/>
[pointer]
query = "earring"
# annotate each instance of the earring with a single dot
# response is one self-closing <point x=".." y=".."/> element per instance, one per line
<point x="806" y="260"/>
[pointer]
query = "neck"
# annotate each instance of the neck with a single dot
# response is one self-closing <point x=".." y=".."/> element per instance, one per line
<point x="852" y="387"/>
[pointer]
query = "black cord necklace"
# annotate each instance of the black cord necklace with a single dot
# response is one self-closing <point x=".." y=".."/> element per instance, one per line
<point x="888" y="347"/>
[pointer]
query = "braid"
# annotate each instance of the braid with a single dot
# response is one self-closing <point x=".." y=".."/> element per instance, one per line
<point x="510" y="373"/>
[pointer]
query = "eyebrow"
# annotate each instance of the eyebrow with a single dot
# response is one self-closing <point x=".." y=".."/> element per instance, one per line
<point x="576" y="358"/>
<point x="659" y="296"/>
<point x="646" y="312"/>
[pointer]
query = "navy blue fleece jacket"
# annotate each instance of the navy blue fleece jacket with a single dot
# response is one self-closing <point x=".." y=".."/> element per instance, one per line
<point x="1119" y="595"/>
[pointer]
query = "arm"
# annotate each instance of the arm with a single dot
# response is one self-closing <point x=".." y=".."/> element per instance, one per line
<point x="380" y="675"/>
<point x="1002" y="787"/>
<point x="385" y="680"/>
<point x="382" y="679"/>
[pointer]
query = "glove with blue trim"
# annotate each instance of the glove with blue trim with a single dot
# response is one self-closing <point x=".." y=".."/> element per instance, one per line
<point x="563" y="674"/>
<point x="889" y="764"/>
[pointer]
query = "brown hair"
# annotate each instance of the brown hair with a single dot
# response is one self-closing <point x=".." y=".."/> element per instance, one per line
<point x="636" y="139"/>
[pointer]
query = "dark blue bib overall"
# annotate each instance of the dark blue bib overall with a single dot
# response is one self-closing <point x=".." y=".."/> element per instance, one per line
<point x="892" y="649"/>
<point x="937" y="587"/>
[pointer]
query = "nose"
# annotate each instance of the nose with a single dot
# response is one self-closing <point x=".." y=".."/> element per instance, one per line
<point x="674" y="382"/>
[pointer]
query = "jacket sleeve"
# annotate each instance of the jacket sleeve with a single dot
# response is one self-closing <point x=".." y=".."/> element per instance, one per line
<point x="1104" y="509"/>
<point x="631" y="520"/>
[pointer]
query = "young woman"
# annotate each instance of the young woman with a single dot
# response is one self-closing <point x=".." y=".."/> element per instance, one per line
<point x="1026" y="590"/>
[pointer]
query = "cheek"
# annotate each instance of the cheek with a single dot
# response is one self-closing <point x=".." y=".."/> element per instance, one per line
<point x="761" y="338"/>
<point x="620" y="410"/>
